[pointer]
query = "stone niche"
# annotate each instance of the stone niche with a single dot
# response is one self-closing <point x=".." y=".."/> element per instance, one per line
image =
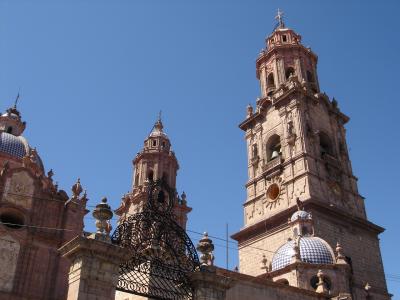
<point x="19" y="189"/>
<point x="9" y="250"/>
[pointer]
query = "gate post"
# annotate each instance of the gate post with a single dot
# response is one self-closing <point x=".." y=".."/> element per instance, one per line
<point x="95" y="261"/>
<point x="208" y="285"/>
<point x="94" y="267"/>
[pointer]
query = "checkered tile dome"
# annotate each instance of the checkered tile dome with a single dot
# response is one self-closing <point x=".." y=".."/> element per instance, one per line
<point x="313" y="250"/>
<point x="300" y="214"/>
<point x="15" y="146"/>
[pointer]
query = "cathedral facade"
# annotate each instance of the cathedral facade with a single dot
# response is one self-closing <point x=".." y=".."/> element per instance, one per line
<point x="305" y="230"/>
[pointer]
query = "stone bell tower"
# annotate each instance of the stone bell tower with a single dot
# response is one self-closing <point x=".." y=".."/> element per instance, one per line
<point x="297" y="156"/>
<point x="155" y="161"/>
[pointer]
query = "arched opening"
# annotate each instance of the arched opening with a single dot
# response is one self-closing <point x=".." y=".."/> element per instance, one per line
<point x="273" y="147"/>
<point x="325" y="145"/>
<point x="9" y="130"/>
<point x="161" y="197"/>
<point x="165" y="177"/>
<point x="270" y="84"/>
<point x="150" y="175"/>
<point x="254" y="151"/>
<point x="136" y="179"/>
<point x="283" y="281"/>
<point x="12" y="219"/>
<point x="289" y="71"/>
<point x="310" y="77"/>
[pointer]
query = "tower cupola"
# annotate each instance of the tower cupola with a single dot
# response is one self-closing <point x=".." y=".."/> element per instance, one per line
<point x="283" y="57"/>
<point x="11" y="122"/>
<point x="157" y="139"/>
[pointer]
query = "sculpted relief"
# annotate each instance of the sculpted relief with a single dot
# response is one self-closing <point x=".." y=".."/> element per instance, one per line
<point x="9" y="250"/>
<point x="19" y="189"/>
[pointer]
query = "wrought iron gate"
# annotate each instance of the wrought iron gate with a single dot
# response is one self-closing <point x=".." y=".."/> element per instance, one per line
<point x="163" y="255"/>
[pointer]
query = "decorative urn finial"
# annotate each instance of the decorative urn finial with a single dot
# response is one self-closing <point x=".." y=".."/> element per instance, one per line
<point x="103" y="214"/>
<point x="249" y="110"/>
<point x="264" y="264"/>
<point x="340" y="258"/>
<point x="76" y="189"/>
<point x="206" y="247"/>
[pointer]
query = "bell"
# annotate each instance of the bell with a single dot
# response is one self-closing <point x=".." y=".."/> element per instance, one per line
<point x="275" y="154"/>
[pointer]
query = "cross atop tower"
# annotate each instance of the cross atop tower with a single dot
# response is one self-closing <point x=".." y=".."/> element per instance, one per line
<point x="279" y="17"/>
<point x="16" y="100"/>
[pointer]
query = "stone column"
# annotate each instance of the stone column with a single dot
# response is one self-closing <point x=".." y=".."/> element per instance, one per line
<point x="208" y="285"/>
<point x="94" y="267"/>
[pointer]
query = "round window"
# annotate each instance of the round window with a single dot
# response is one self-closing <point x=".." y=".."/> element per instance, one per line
<point x="273" y="192"/>
<point x="12" y="220"/>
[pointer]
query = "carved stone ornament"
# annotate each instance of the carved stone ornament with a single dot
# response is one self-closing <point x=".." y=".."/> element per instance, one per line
<point x="19" y="189"/>
<point x="275" y="189"/>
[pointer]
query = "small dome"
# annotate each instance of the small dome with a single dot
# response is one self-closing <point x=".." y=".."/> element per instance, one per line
<point x="16" y="146"/>
<point x="300" y="214"/>
<point x="157" y="130"/>
<point x="313" y="250"/>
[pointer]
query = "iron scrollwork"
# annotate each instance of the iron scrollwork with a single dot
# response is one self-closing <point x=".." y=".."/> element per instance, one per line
<point x="163" y="255"/>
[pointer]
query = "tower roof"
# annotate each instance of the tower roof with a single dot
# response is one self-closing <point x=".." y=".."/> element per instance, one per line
<point x="12" y="143"/>
<point x="157" y="130"/>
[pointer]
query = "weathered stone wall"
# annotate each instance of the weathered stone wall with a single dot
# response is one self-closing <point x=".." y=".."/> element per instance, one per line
<point x="248" y="287"/>
<point x="361" y="245"/>
<point x="251" y="253"/>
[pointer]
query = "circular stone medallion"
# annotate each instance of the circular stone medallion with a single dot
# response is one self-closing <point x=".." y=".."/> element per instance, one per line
<point x="273" y="192"/>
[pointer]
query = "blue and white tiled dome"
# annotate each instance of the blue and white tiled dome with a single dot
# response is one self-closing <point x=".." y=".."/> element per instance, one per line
<point x="313" y="250"/>
<point x="15" y="146"/>
<point x="300" y="214"/>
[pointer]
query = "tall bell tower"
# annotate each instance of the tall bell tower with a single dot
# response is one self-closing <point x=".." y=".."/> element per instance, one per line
<point x="298" y="157"/>
<point x="155" y="161"/>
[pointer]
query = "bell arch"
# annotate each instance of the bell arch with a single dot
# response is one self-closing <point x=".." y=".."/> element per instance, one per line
<point x="273" y="147"/>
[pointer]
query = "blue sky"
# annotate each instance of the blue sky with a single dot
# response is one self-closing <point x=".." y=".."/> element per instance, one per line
<point x="93" y="75"/>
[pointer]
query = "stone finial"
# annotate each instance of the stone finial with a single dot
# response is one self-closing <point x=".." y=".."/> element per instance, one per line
<point x="84" y="198"/>
<point x="249" y="110"/>
<point x="50" y="174"/>
<point x="103" y="214"/>
<point x="340" y="258"/>
<point x="76" y="189"/>
<point x="321" y="286"/>
<point x="6" y="166"/>
<point x="264" y="264"/>
<point x="183" y="198"/>
<point x="206" y="247"/>
<point x="296" y="248"/>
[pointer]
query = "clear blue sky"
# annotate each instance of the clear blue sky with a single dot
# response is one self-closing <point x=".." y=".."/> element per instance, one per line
<point x="93" y="76"/>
